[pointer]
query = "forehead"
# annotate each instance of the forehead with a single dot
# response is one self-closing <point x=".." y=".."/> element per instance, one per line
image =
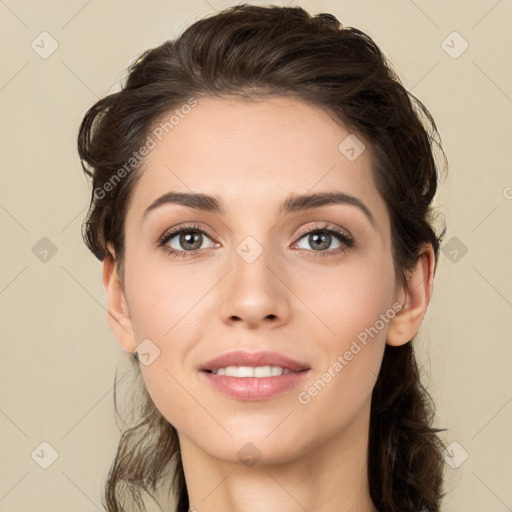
<point x="253" y="154"/>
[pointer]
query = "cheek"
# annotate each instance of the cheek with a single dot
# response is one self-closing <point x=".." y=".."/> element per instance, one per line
<point x="166" y="308"/>
<point x="162" y="298"/>
<point x="173" y="397"/>
<point x="356" y="306"/>
<point x="348" y="299"/>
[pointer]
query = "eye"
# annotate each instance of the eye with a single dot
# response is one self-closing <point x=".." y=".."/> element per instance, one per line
<point x="191" y="238"/>
<point x="321" y="238"/>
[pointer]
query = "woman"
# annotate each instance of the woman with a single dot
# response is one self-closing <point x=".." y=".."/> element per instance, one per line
<point x="261" y="202"/>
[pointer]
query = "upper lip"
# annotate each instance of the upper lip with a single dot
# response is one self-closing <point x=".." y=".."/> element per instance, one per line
<point x="254" y="359"/>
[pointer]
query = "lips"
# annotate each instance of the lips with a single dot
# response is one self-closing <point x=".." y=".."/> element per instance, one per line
<point x="252" y="387"/>
<point x="254" y="359"/>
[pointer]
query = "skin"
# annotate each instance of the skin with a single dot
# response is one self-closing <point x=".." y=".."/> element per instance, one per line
<point x="253" y="155"/>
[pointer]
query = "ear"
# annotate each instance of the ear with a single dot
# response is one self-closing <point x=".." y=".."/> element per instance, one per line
<point x="415" y="296"/>
<point x="118" y="313"/>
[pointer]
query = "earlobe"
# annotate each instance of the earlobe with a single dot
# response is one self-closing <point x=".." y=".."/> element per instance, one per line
<point x="118" y="313"/>
<point x="415" y="297"/>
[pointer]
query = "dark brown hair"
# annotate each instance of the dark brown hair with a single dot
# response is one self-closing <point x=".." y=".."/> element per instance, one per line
<point x="247" y="52"/>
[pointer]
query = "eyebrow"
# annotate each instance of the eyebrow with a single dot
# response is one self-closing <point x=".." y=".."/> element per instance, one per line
<point x="291" y="204"/>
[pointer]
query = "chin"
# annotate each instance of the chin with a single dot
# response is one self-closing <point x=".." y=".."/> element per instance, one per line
<point x="255" y="446"/>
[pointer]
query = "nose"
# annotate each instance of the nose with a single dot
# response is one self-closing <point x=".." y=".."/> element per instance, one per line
<point x="254" y="293"/>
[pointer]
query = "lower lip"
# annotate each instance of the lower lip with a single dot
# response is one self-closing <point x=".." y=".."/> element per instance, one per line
<point x="254" y="388"/>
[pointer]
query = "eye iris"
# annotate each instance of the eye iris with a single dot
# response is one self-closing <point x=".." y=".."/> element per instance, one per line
<point x="321" y="238"/>
<point x="188" y="237"/>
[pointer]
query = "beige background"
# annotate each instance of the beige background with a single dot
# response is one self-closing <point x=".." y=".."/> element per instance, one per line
<point x="58" y="353"/>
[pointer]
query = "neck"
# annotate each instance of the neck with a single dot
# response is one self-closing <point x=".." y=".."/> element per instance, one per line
<point x="331" y="476"/>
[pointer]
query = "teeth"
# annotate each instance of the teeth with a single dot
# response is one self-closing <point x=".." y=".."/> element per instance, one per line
<point x="250" y="371"/>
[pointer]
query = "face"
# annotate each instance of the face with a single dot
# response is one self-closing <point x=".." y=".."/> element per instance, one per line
<point x="313" y="282"/>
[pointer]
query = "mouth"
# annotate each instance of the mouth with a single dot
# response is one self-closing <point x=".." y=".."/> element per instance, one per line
<point x="253" y="376"/>
<point x="252" y="371"/>
<point x="253" y="364"/>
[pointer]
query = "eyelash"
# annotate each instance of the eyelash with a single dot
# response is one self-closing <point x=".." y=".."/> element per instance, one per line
<point x="342" y="236"/>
